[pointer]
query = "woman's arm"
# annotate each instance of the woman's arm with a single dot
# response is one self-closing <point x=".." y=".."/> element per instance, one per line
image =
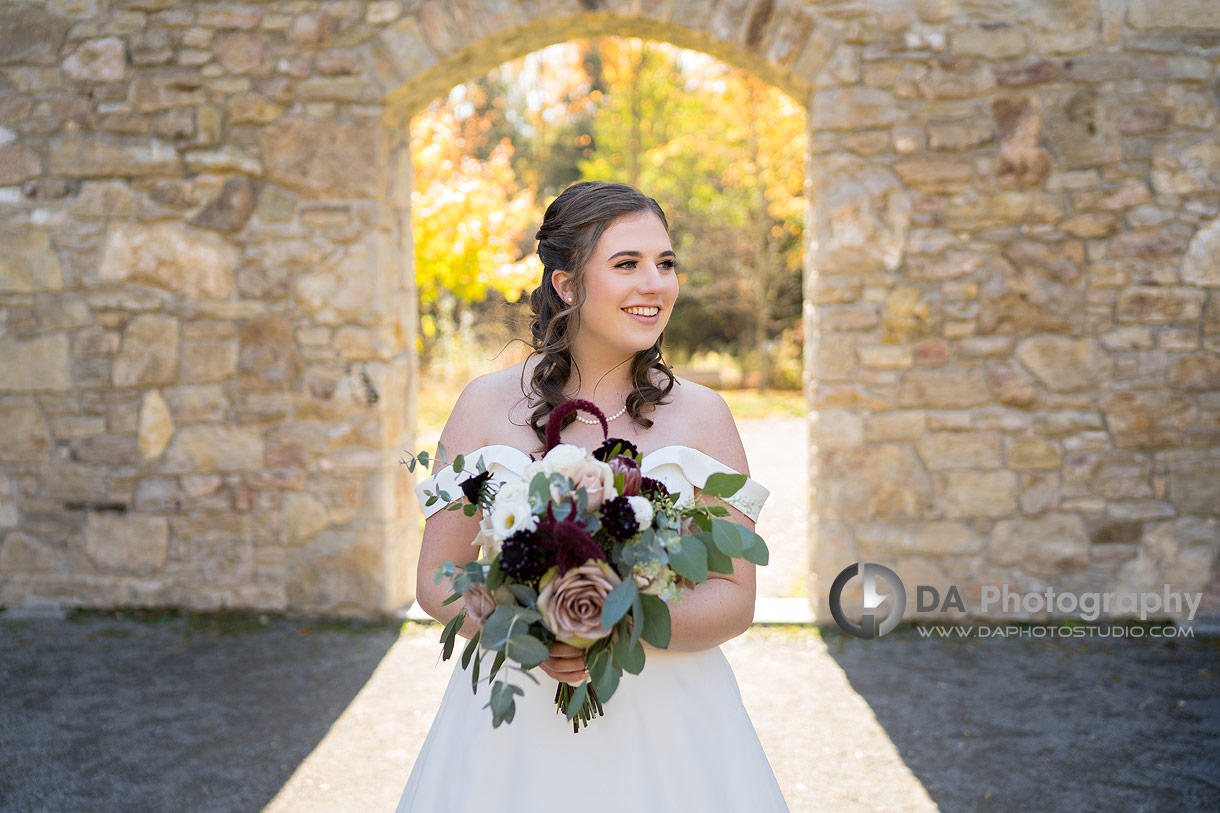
<point x="448" y="534"/>
<point x="721" y="608"/>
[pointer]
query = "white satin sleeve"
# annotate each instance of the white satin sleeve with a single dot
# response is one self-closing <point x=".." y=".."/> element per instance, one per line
<point x="502" y="461"/>
<point x="683" y="469"/>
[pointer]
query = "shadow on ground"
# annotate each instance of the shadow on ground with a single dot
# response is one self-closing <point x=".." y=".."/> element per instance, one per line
<point x="176" y="711"/>
<point x="1068" y="723"/>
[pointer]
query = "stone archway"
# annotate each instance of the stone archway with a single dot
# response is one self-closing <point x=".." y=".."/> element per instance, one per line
<point x="1012" y="312"/>
<point x="473" y="59"/>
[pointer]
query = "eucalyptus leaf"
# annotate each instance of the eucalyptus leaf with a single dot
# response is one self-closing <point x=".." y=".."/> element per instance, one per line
<point x="726" y="537"/>
<point x="458" y="462"/>
<point x="449" y="634"/>
<point x="637" y="618"/>
<point x="497" y="663"/>
<point x="526" y="650"/>
<point x="690" y="559"/>
<point x="656" y="621"/>
<point x="471" y="646"/>
<point x="525" y="594"/>
<point x="716" y="561"/>
<point x="630" y="658"/>
<point x="606" y="682"/>
<point x="618" y="601"/>
<point x="495" y="629"/>
<point x="525" y="615"/>
<point x="723" y="484"/>
<point x="757" y="552"/>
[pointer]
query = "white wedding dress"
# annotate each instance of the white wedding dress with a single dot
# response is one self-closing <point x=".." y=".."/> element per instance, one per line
<point x="675" y="738"/>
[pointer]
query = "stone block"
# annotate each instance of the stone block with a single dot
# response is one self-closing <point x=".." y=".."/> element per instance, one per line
<point x="156" y="425"/>
<point x="887" y="481"/>
<point x="1202" y="14"/>
<point x="322" y="159"/>
<point x="244" y="54"/>
<point x="1147" y="420"/>
<point x="1051" y="545"/>
<point x="127" y="544"/>
<point x="967" y="494"/>
<point x="96" y="155"/>
<point x="1032" y="453"/>
<point x="861" y="215"/>
<point x="18" y="165"/>
<point x="42" y="363"/>
<point x="165" y="89"/>
<point x="269" y="357"/>
<point x="1159" y="305"/>
<point x="203" y="449"/>
<point x="944" y="388"/>
<point x="1065" y="364"/>
<point x="28" y="263"/>
<point x="170" y="256"/>
<point x="25" y="436"/>
<point x="960" y="450"/>
<point x="149" y="352"/>
<point x="1200" y="266"/>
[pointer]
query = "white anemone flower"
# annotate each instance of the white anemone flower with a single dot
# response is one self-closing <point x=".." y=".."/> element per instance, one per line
<point x="510" y="516"/>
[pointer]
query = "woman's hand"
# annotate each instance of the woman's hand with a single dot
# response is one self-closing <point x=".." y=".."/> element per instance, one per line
<point x="566" y="663"/>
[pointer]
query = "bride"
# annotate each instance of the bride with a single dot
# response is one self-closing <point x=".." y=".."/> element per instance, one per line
<point x="676" y="737"/>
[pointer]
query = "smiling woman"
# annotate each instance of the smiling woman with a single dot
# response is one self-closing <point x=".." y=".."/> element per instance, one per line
<point x="676" y="733"/>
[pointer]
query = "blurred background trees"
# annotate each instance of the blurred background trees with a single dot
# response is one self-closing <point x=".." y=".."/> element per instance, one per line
<point x="721" y="151"/>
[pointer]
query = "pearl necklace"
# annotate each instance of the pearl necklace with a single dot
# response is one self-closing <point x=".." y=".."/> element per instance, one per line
<point x="595" y="422"/>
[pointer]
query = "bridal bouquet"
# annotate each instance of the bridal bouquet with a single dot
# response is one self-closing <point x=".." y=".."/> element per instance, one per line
<point x="583" y="550"/>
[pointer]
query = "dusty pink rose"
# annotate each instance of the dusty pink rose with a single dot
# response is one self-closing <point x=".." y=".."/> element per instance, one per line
<point x="596" y="478"/>
<point x="571" y="604"/>
<point x="480" y="603"/>
<point x="631" y="474"/>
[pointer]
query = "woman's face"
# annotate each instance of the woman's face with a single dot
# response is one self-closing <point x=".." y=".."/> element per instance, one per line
<point x="633" y="267"/>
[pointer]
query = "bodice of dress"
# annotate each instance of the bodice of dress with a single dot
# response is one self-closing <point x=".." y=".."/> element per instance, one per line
<point x="681" y="468"/>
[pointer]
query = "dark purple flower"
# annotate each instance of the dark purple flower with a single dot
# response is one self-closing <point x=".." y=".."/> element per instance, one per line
<point x="472" y="486"/>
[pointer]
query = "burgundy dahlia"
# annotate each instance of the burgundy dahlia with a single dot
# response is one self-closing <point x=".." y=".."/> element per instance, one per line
<point x="653" y="489"/>
<point x="524" y="559"/>
<point x="618" y="518"/>
<point x="626" y="447"/>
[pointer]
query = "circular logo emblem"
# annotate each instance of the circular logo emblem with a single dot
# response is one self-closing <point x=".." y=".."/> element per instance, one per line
<point x="869" y="571"/>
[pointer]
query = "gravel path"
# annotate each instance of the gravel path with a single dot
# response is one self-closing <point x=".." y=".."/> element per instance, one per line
<point x="208" y="713"/>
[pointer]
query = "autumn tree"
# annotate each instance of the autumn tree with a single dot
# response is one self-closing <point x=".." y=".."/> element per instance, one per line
<point x="469" y="217"/>
<point x="723" y="154"/>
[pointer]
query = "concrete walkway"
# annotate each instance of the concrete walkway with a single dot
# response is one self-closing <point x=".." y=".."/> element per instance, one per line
<point x="227" y="713"/>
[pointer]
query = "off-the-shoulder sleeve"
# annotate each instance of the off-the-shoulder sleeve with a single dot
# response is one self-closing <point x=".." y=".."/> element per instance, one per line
<point x="683" y="469"/>
<point x="501" y="461"/>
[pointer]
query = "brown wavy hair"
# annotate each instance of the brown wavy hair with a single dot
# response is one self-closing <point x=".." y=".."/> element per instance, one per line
<point x="571" y="227"/>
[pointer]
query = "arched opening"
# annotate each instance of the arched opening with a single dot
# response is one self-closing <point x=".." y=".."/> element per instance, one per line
<point x="723" y="151"/>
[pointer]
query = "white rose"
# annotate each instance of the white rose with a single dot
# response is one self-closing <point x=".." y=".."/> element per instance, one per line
<point x="643" y="510"/>
<point x="513" y="490"/>
<point x="510" y="516"/>
<point x="563" y="456"/>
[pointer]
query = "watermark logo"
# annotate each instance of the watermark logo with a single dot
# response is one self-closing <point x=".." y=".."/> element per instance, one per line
<point x="869" y="572"/>
<point x="1088" y="606"/>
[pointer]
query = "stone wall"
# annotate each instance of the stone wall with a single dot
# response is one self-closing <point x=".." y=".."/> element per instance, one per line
<point x="207" y="302"/>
